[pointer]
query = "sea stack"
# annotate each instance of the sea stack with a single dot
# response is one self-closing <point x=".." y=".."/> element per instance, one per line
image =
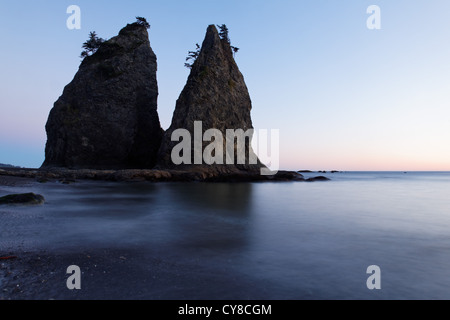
<point x="215" y="95"/>
<point x="107" y="116"/>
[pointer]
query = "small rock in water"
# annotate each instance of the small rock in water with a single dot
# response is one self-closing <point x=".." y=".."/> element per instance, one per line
<point x="24" y="198"/>
<point x="321" y="178"/>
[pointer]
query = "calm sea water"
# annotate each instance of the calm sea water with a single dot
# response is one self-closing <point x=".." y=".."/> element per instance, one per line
<point x="279" y="240"/>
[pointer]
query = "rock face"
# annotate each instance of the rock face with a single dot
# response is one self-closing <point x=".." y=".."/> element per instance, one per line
<point x="107" y="116"/>
<point x="216" y="94"/>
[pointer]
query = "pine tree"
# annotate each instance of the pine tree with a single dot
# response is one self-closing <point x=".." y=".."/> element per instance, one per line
<point x="223" y="32"/>
<point x="143" y="22"/>
<point x="91" y="45"/>
<point x="192" y="55"/>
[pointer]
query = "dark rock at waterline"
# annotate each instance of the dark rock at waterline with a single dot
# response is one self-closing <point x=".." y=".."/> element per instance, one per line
<point x="42" y="180"/>
<point x="25" y="198"/>
<point x="107" y="116"/>
<point x="246" y="176"/>
<point x="287" y="176"/>
<point x="321" y="178"/>
<point x="131" y="175"/>
<point x="216" y="95"/>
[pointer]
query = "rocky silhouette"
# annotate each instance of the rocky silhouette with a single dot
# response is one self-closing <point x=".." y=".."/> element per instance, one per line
<point x="105" y="126"/>
<point x="107" y="116"/>
<point x="68" y="176"/>
<point x="216" y="95"/>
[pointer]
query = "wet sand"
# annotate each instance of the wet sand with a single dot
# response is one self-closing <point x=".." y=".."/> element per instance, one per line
<point x="114" y="274"/>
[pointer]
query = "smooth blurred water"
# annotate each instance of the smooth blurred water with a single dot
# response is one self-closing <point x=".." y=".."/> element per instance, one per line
<point x="288" y="240"/>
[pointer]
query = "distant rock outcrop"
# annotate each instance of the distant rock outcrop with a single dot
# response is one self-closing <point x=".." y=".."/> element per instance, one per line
<point x="2" y="165"/>
<point x="107" y="116"/>
<point x="216" y="95"/>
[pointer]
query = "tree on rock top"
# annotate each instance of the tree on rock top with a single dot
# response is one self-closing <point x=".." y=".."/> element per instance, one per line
<point x="91" y="45"/>
<point x="223" y="32"/>
<point x="224" y="35"/>
<point x="143" y="22"/>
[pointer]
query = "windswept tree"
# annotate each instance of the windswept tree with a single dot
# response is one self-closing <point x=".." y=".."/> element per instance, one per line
<point x="223" y="32"/>
<point x="143" y="22"/>
<point x="224" y="35"/>
<point x="235" y="50"/>
<point x="192" y="56"/>
<point x="91" y="45"/>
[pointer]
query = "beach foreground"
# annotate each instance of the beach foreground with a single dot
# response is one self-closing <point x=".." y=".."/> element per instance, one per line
<point x="176" y="241"/>
<point x="116" y="272"/>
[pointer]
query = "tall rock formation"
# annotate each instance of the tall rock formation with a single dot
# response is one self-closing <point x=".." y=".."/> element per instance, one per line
<point x="216" y="95"/>
<point x="107" y="116"/>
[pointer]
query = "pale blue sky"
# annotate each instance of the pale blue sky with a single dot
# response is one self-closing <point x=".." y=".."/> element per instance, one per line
<point x="344" y="97"/>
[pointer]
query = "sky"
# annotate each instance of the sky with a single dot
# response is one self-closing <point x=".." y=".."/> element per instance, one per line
<point x="343" y="96"/>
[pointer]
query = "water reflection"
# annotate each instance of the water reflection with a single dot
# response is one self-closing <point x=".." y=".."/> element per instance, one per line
<point x="108" y="200"/>
<point x="210" y="216"/>
<point x="164" y="217"/>
<point x="233" y="198"/>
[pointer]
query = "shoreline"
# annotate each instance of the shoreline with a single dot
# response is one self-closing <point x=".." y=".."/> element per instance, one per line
<point x="153" y="175"/>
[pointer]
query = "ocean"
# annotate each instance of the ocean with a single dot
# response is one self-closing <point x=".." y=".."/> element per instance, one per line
<point x="279" y="241"/>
